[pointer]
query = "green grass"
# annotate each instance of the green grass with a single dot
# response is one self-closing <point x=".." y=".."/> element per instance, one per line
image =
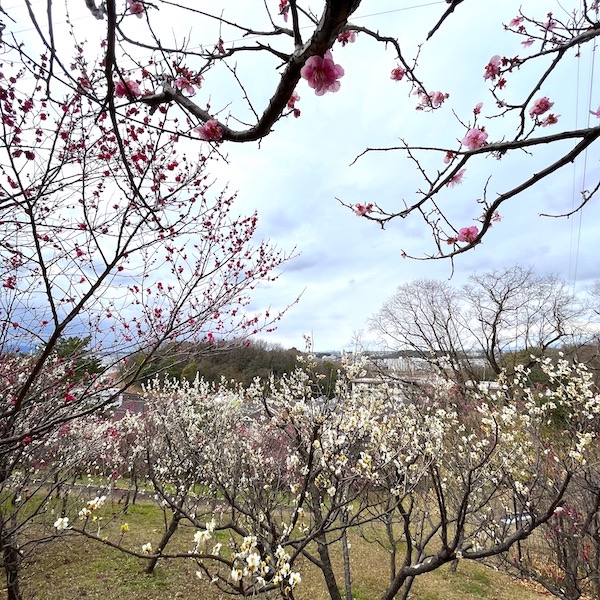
<point x="472" y="589"/>
<point x="74" y="568"/>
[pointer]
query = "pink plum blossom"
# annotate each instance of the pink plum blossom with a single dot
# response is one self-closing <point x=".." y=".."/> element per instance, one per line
<point x="527" y="42"/>
<point x="551" y="119"/>
<point x="475" y="139"/>
<point x="596" y="112"/>
<point x="136" y="8"/>
<point x="467" y="234"/>
<point x="432" y="100"/>
<point x="125" y="88"/>
<point x="478" y="107"/>
<point x="322" y="74"/>
<point x="492" y="69"/>
<point x="456" y="179"/>
<point x="347" y="37"/>
<point x="397" y="74"/>
<point x="516" y="21"/>
<point x="284" y="9"/>
<point x="183" y="84"/>
<point x="362" y="209"/>
<point x="211" y="131"/>
<point x="496" y="218"/>
<point x="550" y="23"/>
<point x="448" y="157"/>
<point x="540" y="106"/>
<point x="437" y="98"/>
<point x="291" y="103"/>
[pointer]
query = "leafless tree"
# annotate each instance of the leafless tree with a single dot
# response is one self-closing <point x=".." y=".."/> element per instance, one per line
<point x="429" y="319"/>
<point x="514" y="309"/>
<point x="463" y="331"/>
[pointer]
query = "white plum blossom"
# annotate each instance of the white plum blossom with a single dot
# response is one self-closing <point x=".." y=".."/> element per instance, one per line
<point x="61" y="523"/>
<point x="253" y="561"/>
<point x="202" y="536"/>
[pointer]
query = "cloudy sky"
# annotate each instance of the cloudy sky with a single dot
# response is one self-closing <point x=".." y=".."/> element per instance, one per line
<point x="346" y="267"/>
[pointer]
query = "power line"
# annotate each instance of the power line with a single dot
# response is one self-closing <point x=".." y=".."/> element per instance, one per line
<point x="585" y="155"/>
<point x="258" y="36"/>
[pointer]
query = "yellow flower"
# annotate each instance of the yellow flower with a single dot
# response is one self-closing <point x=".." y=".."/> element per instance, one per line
<point x="124" y="528"/>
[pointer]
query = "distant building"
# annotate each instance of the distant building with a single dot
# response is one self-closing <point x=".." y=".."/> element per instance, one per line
<point x="130" y="403"/>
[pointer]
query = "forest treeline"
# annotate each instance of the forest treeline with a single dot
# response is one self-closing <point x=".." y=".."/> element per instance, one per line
<point x="241" y="361"/>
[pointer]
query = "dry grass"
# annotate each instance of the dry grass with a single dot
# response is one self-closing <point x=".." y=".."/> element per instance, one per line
<point x="74" y="568"/>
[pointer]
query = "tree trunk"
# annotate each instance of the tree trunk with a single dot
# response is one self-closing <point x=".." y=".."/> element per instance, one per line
<point x="323" y="547"/>
<point x="407" y="587"/>
<point x="136" y="489"/>
<point x="389" y="529"/>
<point x="127" y="497"/>
<point x="346" y="557"/>
<point x="12" y="563"/>
<point x="327" y="569"/>
<point x="171" y="529"/>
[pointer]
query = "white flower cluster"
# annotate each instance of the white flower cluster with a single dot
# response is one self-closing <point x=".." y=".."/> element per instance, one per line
<point x="203" y="535"/>
<point x="249" y="564"/>
<point x="92" y="505"/>
<point x="61" y="523"/>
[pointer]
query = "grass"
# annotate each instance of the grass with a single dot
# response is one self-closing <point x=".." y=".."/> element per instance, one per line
<point x="73" y="568"/>
<point x="472" y="581"/>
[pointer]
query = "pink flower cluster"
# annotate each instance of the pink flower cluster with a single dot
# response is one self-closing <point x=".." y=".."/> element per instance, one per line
<point x="496" y="218"/>
<point x="125" y="88"/>
<point x="551" y="119"/>
<point x="186" y="82"/>
<point x="211" y="131"/>
<point x="397" y="74"/>
<point x="362" y="209"/>
<point x="540" y="106"/>
<point x="291" y="104"/>
<point x="136" y="8"/>
<point x="550" y="24"/>
<point x="456" y="179"/>
<point x="492" y="69"/>
<point x="184" y="86"/>
<point x="467" y="234"/>
<point x="347" y="37"/>
<point x="432" y="100"/>
<point x="284" y="9"/>
<point x="475" y="138"/>
<point x="322" y="74"/>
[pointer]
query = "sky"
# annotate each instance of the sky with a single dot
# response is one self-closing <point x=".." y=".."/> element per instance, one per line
<point x="346" y="267"/>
